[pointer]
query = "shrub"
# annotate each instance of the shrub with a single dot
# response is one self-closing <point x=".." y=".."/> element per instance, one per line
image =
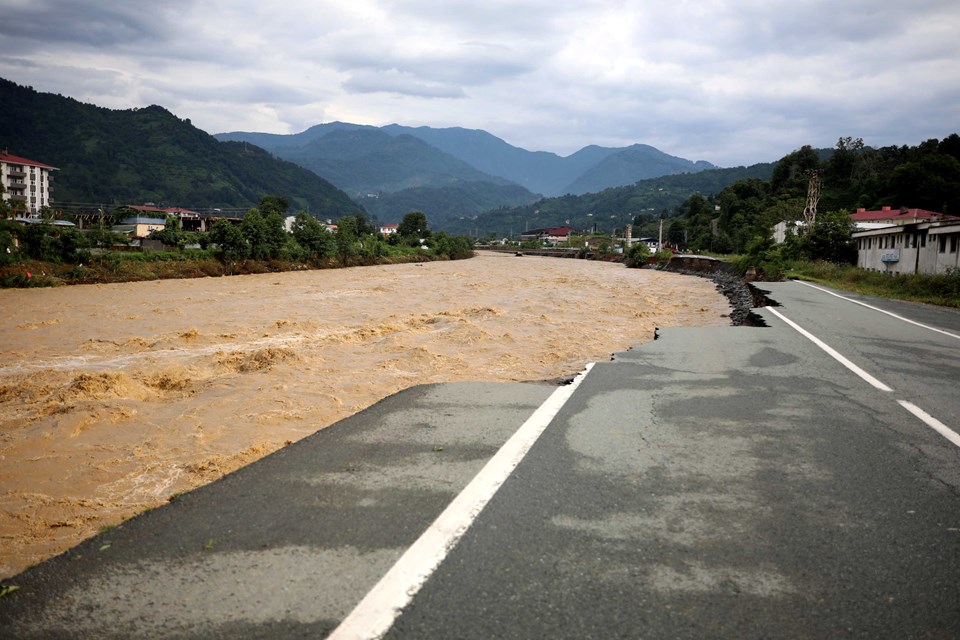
<point x="637" y="255"/>
<point x="663" y="257"/>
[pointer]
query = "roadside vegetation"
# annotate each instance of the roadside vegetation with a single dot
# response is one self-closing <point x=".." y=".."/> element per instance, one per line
<point x="38" y="255"/>
<point x="940" y="289"/>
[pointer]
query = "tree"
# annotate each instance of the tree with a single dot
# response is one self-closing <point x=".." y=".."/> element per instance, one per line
<point x="347" y="240"/>
<point x="230" y="240"/>
<point x="312" y="236"/>
<point x="790" y="174"/>
<point x="413" y="227"/>
<point x="637" y="255"/>
<point x="171" y="234"/>
<point x="274" y="235"/>
<point x="273" y="204"/>
<point x="831" y="238"/>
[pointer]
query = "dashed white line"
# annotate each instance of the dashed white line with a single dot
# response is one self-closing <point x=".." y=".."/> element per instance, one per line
<point x="889" y="313"/>
<point x="831" y="351"/>
<point x="378" y="610"/>
<point x="925" y="417"/>
<point x="932" y="422"/>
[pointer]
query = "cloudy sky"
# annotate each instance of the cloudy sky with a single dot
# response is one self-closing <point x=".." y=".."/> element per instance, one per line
<point x="729" y="81"/>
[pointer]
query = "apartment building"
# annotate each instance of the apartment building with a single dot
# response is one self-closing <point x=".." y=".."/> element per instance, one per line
<point x="26" y="183"/>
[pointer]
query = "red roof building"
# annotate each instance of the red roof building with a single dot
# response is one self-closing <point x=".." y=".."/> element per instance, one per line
<point x="899" y="216"/>
<point x="26" y="183"/>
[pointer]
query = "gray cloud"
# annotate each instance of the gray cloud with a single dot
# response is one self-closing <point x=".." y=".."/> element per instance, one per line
<point x="732" y="82"/>
<point x="392" y="81"/>
<point x="93" y="24"/>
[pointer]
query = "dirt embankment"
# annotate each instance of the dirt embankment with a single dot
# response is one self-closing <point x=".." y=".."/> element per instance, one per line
<point x="114" y="397"/>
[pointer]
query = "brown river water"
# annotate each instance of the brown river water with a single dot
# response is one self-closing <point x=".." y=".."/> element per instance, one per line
<point x="115" y="397"/>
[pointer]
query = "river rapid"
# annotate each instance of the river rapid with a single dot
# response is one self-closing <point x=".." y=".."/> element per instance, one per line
<point x="115" y="397"/>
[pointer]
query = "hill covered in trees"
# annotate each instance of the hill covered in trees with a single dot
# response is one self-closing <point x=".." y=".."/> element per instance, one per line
<point x="642" y="204"/>
<point x="132" y="156"/>
<point x="926" y="176"/>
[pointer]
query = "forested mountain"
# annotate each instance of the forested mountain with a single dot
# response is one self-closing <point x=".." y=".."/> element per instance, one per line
<point x="138" y="155"/>
<point x="539" y="171"/>
<point x="367" y="160"/>
<point x="592" y="168"/>
<point x="635" y="163"/>
<point x="853" y="175"/>
<point x="642" y="204"/>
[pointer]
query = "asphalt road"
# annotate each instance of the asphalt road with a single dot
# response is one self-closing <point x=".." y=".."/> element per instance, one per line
<point x="716" y="483"/>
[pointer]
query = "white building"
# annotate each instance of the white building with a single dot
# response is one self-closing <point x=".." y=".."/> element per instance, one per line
<point x="921" y="247"/>
<point x="26" y="183"/>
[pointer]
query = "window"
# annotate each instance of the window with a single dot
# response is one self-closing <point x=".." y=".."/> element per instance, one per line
<point x="923" y="240"/>
<point x="953" y="243"/>
<point x="943" y="244"/>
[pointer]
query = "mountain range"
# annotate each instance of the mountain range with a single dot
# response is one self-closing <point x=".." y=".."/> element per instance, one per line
<point x="456" y="176"/>
<point x="388" y="168"/>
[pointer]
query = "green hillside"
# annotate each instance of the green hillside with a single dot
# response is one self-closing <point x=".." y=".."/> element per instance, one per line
<point x="441" y="204"/>
<point x="641" y="203"/>
<point x="367" y="160"/>
<point x="149" y="155"/>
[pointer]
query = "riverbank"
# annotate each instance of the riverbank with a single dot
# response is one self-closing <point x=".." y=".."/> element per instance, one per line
<point x="140" y="267"/>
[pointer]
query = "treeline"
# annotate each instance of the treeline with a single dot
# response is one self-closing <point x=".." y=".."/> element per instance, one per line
<point x="853" y="175"/>
<point x="260" y="237"/>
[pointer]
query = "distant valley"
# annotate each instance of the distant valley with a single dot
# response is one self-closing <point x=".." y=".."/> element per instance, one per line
<point x="465" y="181"/>
<point x="455" y="172"/>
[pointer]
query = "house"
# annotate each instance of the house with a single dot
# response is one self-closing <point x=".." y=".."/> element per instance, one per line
<point x="388" y="229"/>
<point x="140" y="226"/>
<point x="548" y="235"/>
<point x="148" y="217"/>
<point x="917" y="247"/>
<point x="26" y="183"/>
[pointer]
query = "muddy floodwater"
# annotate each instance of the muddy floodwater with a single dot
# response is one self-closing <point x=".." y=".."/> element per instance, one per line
<point x="115" y="397"/>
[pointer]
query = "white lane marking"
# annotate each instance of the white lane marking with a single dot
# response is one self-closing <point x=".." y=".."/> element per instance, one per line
<point x="932" y="422"/>
<point x="889" y="313"/>
<point x="375" y="614"/>
<point x="925" y="417"/>
<point x="831" y="351"/>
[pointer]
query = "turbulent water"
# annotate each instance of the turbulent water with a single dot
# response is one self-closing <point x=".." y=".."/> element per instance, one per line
<point x="114" y="397"/>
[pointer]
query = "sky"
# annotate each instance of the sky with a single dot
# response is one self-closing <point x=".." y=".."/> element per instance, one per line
<point x="731" y="82"/>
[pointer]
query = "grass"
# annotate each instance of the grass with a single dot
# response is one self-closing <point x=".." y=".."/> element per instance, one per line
<point x="940" y="289"/>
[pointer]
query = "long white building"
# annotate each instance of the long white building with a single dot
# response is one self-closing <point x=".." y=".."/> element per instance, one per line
<point x="26" y="183"/>
<point x="920" y="247"/>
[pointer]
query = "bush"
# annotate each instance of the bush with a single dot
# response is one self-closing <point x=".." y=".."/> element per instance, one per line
<point x="663" y="257"/>
<point x="637" y="255"/>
